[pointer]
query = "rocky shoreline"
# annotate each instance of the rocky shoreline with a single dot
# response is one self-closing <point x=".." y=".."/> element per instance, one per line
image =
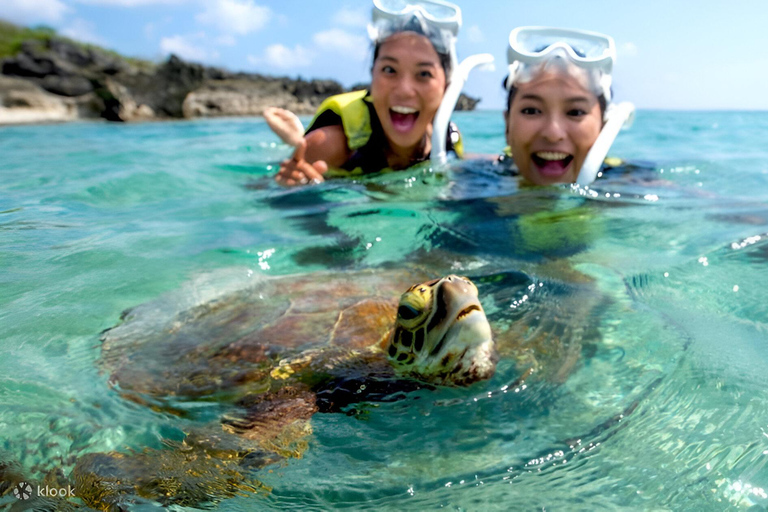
<point x="59" y="80"/>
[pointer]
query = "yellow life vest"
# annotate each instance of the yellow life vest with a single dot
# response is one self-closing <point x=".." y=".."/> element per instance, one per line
<point x="561" y="232"/>
<point x="354" y="114"/>
<point x="354" y="111"/>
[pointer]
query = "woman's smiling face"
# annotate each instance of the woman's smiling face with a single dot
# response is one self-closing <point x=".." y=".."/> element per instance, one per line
<point x="552" y="123"/>
<point x="407" y="86"/>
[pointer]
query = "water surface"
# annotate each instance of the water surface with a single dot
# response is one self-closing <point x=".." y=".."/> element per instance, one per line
<point x="666" y="408"/>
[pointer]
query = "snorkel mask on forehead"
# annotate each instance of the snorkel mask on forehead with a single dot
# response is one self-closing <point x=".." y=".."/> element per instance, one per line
<point x="436" y="20"/>
<point x="531" y="49"/>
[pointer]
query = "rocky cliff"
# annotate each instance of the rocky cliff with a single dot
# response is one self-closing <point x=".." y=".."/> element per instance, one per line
<point x="55" y="79"/>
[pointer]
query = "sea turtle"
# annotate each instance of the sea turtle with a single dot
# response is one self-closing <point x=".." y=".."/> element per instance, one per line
<point x="273" y="331"/>
<point x="279" y="349"/>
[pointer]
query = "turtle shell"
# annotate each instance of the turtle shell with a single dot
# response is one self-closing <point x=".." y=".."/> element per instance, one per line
<point x="232" y="329"/>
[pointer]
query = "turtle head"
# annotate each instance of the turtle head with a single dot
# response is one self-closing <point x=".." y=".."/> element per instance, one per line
<point x="442" y="335"/>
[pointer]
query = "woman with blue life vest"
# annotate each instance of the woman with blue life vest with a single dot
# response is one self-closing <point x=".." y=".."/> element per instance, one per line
<point x="560" y="121"/>
<point x="389" y="126"/>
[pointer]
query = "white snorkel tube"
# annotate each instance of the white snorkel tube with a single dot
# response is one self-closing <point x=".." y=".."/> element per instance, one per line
<point x="594" y="54"/>
<point x="459" y="77"/>
<point x="616" y="117"/>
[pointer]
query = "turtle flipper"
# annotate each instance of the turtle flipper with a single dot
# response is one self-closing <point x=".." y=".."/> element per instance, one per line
<point x="186" y="477"/>
<point x="213" y="463"/>
<point x="277" y="422"/>
<point x="547" y="322"/>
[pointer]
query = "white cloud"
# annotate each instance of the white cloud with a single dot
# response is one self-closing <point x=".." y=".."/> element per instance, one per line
<point x="475" y="34"/>
<point x="184" y="47"/>
<point x="81" y="30"/>
<point x="238" y="16"/>
<point x="283" y="57"/>
<point x="338" y="40"/>
<point x="30" y="12"/>
<point x="352" y="18"/>
<point x="628" y="49"/>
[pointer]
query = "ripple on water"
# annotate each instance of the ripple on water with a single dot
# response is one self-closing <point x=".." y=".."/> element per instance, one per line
<point x="665" y="409"/>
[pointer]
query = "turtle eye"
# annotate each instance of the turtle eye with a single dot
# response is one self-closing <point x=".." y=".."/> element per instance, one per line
<point x="407" y="312"/>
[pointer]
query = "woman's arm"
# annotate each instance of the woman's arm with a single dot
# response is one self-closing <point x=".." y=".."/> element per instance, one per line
<point x="320" y="149"/>
<point x="328" y="144"/>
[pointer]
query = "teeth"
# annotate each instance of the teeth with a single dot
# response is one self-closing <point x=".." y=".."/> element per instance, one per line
<point x="551" y="155"/>
<point x="404" y="110"/>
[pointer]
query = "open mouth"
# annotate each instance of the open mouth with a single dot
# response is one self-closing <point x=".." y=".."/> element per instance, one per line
<point x="403" y="118"/>
<point x="551" y="163"/>
<point x="466" y="311"/>
<point x="461" y="316"/>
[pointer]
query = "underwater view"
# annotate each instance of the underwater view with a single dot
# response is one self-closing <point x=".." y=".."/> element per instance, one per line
<point x="169" y="334"/>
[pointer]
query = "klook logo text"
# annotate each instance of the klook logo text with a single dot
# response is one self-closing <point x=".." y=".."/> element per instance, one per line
<point x="23" y="491"/>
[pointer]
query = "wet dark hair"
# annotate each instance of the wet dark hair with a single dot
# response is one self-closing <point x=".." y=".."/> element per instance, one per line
<point x="445" y="58"/>
<point x="513" y="90"/>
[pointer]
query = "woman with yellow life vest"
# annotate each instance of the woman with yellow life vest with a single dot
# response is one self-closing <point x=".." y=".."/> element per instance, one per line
<point x="389" y="126"/>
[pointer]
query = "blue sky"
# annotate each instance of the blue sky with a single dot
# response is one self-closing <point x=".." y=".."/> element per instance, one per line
<point x="672" y="54"/>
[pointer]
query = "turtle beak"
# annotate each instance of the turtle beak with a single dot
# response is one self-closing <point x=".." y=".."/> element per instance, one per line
<point x="470" y="352"/>
<point x="461" y="349"/>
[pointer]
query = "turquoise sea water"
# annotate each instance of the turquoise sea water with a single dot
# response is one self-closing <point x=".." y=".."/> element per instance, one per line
<point x="665" y="409"/>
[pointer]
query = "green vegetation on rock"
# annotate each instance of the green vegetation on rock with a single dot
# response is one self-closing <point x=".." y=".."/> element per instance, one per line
<point x="11" y="37"/>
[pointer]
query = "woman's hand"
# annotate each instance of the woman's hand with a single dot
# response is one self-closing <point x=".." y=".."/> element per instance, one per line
<point x="285" y="124"/>
<point x="297" y="171"/>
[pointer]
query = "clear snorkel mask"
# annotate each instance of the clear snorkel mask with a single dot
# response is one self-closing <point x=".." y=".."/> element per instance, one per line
<point x="436" y="20"/>
<point x="534" y="48"/>
<point x="587" y="55"/>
